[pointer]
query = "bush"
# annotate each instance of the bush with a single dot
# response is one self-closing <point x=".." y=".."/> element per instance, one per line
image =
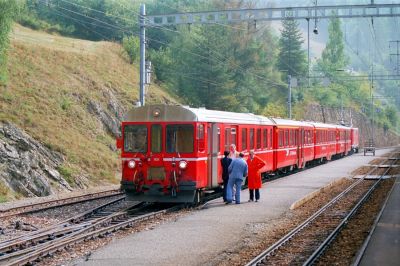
<point x="131" y="46"/>
<point x="67" y="174"/>
<point x="33" y="22"/>
<point x="3" y="192"/>
<point x="8" y="12"/>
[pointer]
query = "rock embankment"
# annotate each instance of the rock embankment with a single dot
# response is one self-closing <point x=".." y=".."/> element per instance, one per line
<point x="26" y="166"/>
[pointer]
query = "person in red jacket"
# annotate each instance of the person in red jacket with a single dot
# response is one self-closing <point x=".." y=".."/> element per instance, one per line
<point x="254" y="177"/>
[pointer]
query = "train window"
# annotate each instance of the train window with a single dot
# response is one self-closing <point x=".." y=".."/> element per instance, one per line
<point x="233" y="136"/>
<point x="286" y="137"/>
<point x="307" y="137"/>
<point x="200" y="131"/>
<point x="227" y="138"/>
<point x="292" y="137"/>
<point x="179" y="138"/>
<point x="265" y="138"/>
<point x="271" y="138"/>
<point x="258" y="138"/>
<point x="135" y="138"/>
<point x="156" y="138"/>
<point x="251" y="138"/>
<point x="244" y="138"/>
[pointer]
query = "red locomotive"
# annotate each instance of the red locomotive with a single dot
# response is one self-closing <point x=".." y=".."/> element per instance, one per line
<point x="172" y="153"/>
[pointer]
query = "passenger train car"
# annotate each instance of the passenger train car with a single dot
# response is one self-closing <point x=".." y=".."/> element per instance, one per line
<point x="172" y="153"/>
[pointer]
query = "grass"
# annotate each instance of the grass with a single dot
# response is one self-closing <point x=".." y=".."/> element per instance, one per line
<point x="67" y="173"/>
<point x="51" y="81"/>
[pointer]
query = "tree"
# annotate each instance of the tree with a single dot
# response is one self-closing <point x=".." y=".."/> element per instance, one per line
<point x="291" y="56"/>
<point x="333" y="56"/>
<point x="8" y="11"/>
<point x="131" y="46"/>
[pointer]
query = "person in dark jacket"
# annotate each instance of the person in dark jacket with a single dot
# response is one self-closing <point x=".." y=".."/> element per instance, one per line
<point x="225" y="162"/>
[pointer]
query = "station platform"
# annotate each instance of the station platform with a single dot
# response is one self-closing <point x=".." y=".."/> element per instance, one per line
<point x="384" y="245"/>
<point x="199" y="237"/>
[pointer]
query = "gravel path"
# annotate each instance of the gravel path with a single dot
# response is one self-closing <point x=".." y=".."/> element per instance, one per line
<point x="199" y="238"/>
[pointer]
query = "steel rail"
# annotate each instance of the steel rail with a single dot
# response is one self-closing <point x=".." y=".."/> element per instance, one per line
<point x="40" y="206"/>
<point x="332" y="236"/>
<point x="52" y="231"/>
<point x="303" y="225"/>
<point x="71" y="231"/>
<point x="81" y="236"/>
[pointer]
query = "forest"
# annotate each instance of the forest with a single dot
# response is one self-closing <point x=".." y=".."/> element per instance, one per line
<point x="237" y="67"/>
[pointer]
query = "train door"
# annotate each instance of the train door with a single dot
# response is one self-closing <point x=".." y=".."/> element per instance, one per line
<point x="212" y="154"/>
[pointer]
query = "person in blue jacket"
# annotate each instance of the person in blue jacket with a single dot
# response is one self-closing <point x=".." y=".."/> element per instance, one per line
<point x="237" y="173"/>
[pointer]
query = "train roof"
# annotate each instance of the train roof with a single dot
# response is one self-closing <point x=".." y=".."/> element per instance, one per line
<point x="174" y="113"/>
<point x="322" y="125"/>
<point x="342" y="127"/>
<point x="287" y="122"/>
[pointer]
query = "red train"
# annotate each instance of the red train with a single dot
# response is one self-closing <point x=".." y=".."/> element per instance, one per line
<point x="172" y="153"/>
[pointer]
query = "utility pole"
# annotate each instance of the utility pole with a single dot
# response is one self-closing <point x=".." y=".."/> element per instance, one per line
<point x="397" y="54"/>
<point x="290" y="96"/>
<point x="308" y="50"/>
<point x="142" y="23"/>
<point x="372" y="103"/>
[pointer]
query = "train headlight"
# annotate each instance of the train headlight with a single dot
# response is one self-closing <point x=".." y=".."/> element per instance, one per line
<point x="182" y="165"/>
<point x="131" y="164"/>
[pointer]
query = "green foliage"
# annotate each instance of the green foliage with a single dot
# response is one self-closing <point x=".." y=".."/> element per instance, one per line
<point x="292" y="57"/>
<point x="31" y="20"/>
<point x="275" y="110"/>
<point x="86" y="19"/>
<point x="4" y="191"/>
<point x="67" y="174"/>
<point x="333" y="56"/>
<point x="8" y="12"/>
<point x="218" y="67"/>
<point x="65" y="103"/>
<point x="131" y="46"/>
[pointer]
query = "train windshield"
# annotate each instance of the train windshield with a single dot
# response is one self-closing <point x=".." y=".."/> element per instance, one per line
<point x="180" y="138"/>
<point x="135" y="138"/>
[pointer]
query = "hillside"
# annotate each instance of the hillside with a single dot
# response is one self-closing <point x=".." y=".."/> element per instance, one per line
<point x="69" y="95"/>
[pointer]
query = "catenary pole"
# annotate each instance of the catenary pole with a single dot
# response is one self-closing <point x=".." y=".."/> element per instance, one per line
<point x="308" y="51"/>
<point x="290" y="96"/>
<point x="142" y="23"/>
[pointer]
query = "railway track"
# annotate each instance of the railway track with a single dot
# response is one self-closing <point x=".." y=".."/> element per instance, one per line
<point x="58" y="203"/>
<point x="97" y="222"/>
<point x="307" y="242"/>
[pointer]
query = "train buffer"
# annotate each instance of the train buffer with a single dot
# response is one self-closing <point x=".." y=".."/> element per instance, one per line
<point x="369" y="146"/>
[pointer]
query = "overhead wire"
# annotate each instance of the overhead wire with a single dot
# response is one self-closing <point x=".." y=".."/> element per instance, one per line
<point x="216" y="58"/>
<point x="217" y="55"/>
<point x="128" y="31"/>
<point x="372" y="30"/>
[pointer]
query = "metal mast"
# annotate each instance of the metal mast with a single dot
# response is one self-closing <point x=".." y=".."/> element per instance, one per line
<point x="142" y="23"/>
